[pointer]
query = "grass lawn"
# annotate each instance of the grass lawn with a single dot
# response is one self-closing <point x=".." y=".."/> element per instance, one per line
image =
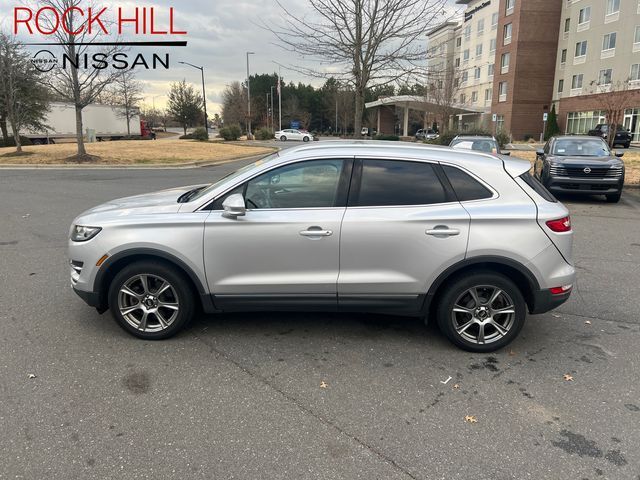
<point x="631" y="160"/>
<point x="134" y="152"/>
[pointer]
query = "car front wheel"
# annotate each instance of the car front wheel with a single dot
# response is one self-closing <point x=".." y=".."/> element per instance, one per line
<point x="283" y="138"/>
<point x="614" y="197"/>
<point x="305" y="139"/>
<point x="151" y="300"/>
<point x="481" y="312"/>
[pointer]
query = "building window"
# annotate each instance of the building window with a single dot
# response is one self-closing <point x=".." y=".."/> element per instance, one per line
<point x="465" y="55"/>
<point x="458" y="62"/>
<point x="494" y="21"/>
<point x="582" y="122"/>
<point x="492" y="45"/>
<point x="576" y="81"/>
<point x="510" y="5"/>
<point x="560" y="85"/>
<point x="481" y="26"/>
<point x="502" y="91"/>
<point x="458" y="41"/>
<point x="567" y="25"/>
<point x="613" y="6"/>
<point x="581" y="49"/>
<point x="491" y="69"/>
<point x="635" y="72"/>
<point x="504" y="62"/>
<point x="609" y="41"/>
<point x="604" y="78"/>
<point x="488" y="94"/>
<point x="477" y="72"/>
<point x="467" y="32"/>
<point x="479" y="50"/>
<point x="465" y="76"/>
<point x="474" y="97"/>
<point x="584" y="16"/>
<point x="499" y="123"/>
<point x="508" y="29"/>
<point x="462" y="98"/>
<point x="563" y="56"/>
<point x="636" y="35"/>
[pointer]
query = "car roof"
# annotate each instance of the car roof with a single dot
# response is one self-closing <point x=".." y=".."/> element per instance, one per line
<point x="402" y="150"/>
<point x="577" y="137"/>
<point x="474" y="137"/>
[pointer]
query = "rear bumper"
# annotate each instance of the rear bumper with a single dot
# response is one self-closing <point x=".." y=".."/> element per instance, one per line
<point x="588" y="186"/>
<point x="544" y="301"/>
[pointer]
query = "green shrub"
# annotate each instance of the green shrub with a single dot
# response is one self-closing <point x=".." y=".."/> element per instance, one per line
<point x="11" y="142"/>
<point x="264" y="134"/>
<point x="393" y="138"/>
<point x="503" y="138"/>
<point x="200" y="134"/>
<point x="232" y="132"/>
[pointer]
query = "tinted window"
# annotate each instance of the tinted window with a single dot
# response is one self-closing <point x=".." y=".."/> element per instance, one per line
<point x="537" y="187"/>
<point x="392" y="182"/>
<point x="465" y="186"/>
<point x="301" y="185"/>
<point x="581" y="147"/>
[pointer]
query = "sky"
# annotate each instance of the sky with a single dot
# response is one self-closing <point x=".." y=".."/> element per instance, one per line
<point x="219" y="32"/>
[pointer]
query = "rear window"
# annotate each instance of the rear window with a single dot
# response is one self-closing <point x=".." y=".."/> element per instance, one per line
<point x="465" y="186"/>
<point x="537" y="187"/>
<point x="394" y="182"/>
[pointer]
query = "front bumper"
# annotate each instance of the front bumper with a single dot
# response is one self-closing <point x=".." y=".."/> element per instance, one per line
<point x="90" y="298"/>
<point x="587" y="186"/>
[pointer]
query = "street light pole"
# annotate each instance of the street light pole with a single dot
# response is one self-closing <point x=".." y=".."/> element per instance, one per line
<point x="272" y="126"/>
<point x="248" y="98"/>
<point x="204" y="95"/>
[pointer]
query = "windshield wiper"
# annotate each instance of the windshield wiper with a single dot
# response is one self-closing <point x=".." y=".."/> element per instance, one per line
<point x="185" y="197"/>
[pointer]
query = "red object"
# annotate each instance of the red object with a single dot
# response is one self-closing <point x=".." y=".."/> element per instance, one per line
<point x="560" y="290"/>
<point x="560" y="225"/>
<point x="145" y="131"/>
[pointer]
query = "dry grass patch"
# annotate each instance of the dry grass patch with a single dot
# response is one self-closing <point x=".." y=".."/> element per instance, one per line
<point x="631" y="160"/>
<point x="134" y="152"/>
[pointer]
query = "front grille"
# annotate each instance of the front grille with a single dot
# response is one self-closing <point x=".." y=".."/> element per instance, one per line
<point x="76" y="270"/>
<point x="579" y="172"/>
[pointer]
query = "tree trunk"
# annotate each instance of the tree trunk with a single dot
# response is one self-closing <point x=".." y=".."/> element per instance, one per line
<point x="3" y="127"/>
<point x="184" y="126"/>
<point x="357" y="120"/>
<point x="79" y="134"/>
<point x="16" y="136"/>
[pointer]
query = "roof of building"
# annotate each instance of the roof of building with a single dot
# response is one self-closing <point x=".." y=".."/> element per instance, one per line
<point x="441" y="27"/>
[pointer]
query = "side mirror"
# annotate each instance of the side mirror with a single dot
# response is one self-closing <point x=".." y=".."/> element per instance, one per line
<point x="619" y="154"/>
<point x="540" y="152"/>
<point x="234" y="206"/>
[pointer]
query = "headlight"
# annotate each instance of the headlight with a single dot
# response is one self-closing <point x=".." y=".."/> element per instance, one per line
<point x="81" y="233"/>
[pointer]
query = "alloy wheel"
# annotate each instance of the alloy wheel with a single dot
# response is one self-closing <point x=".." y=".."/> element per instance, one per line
<point x="148" y="303"/>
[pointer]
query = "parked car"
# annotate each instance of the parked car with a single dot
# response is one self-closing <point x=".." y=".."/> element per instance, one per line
<point x="623" y="136"/>
<point x="580" y="164"/>
<point x="470" y="243"/>
<point x="293" y="134"/>
<point x="427" y="134"/>
<point x="480" y="143"/>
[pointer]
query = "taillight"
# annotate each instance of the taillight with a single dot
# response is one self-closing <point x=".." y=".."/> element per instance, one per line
<point x="560" y="225"/>
<point x="560" y="290"/>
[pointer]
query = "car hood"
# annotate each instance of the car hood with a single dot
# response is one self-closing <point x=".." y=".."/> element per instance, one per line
<point x="577" y="161"/>
<point x="163" y="201"/>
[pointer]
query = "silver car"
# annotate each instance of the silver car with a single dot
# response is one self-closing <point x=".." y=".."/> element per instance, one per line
<point x="367" y="226"/>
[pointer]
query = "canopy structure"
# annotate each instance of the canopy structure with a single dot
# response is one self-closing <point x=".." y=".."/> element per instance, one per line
<point x="413" y="102"/>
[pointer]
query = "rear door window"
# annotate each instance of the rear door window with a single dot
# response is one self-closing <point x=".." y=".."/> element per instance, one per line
<point x="398" y="182"/>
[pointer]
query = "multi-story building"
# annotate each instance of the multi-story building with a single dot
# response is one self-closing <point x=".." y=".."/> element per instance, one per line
<point x="598" y="64"/>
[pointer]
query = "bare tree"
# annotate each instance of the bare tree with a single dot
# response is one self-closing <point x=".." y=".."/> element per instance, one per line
<point x="234" y="104"/>
<point x="126" y="93"/>
<point x="23" y="98"/>
<point x="442" y="90"/>
<point x="613" y="99"/>
<point x="363" y="41"/>
<point x="73" y="84"/>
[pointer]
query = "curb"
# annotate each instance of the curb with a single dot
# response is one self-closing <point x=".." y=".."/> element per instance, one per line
<point x="151" y="166"/>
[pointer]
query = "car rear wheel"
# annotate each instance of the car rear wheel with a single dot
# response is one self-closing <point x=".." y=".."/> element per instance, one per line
<point x="614" y="197"/>
<point x="627" y="145"/>
<point x="481" y="312"/>
<point x="151" y="300"/>
<point x="305" y="139"/>
<point x="283" y="138"/>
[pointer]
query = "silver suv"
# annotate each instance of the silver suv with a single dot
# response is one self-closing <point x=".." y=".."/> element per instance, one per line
<point x="372" y="227"/>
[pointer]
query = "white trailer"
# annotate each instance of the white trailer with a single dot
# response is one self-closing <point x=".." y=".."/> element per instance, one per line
<point x="104" y="121"/>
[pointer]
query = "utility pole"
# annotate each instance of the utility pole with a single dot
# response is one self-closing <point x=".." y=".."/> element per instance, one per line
<point x="268" y="113"/>
<point x="272" y="125"/>
<point x="204" y="95"/>
<point x="248" y="98"/>
<point x="280" y="97"/>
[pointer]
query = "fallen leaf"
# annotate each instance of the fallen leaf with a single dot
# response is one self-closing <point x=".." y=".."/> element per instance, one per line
<point x="511" y="353"/>
<point x="568" y="377"/>
<point x="470" y="419"/>
<point x="323" y="384"/>
<point x="32" y="375"/>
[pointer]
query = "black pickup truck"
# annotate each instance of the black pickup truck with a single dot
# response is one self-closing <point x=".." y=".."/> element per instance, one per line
<point x="623" y="136"/>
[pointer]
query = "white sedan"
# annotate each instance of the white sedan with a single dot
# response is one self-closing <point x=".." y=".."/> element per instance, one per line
<point x="293" y="134"/>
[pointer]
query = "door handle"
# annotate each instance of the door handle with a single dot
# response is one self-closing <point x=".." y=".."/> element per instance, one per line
<point x="443" y="231"/>
<point x="316" y="232"/>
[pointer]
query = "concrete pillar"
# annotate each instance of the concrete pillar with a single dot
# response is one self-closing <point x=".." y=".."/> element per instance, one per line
<point x="405" y="123"/>
<point x="378" y="122"/>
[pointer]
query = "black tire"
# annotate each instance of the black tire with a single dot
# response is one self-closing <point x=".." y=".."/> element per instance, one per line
<point x="485" y="285"/>
<point x="627" y="145"/>
<point x="305" y="139"/>
<point x="180" y="295"/>
<point x="614" y="197"/>
<point x="283" y="138"/>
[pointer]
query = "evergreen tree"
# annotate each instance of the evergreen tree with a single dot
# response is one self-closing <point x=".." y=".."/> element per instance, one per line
<point x="552" y="128"/>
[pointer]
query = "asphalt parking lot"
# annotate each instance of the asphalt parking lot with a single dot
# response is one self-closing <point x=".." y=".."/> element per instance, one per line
<point x="239" y="396"/>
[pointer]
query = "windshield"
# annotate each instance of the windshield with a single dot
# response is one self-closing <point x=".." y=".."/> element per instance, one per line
<point x="233" y="175"/>
<point x="481" y="145"/>
<point x="581" y="147"/>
